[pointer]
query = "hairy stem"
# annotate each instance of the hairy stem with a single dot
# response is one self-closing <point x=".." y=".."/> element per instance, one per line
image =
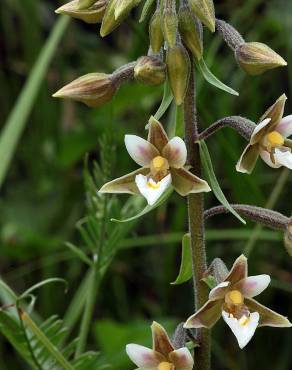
<point x="196" y="223"/>
<point x="242" y="125"/>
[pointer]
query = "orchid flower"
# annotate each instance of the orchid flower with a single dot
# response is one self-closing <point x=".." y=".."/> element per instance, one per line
<point x="162" y="161"/>
<point x="269" y="140"/>
<point x="163" y="356"/>
<point x="233" y="300"/>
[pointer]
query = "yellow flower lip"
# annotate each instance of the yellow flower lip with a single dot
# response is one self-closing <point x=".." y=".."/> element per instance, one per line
<point x="235" y="297"/>
<point x="159" y="163"/>
<point x="165" y="366"/>
<point x="275" y="138"/>
<point x="153" y="185"/>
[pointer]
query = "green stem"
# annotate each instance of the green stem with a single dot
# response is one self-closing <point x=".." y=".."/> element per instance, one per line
<point x="88" y="311"/>
<point x="196" y="223"/>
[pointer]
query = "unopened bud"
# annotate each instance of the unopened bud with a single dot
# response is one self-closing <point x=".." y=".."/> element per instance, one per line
<point x="109" y="21"/>
<point x="288" y="238"/>
<point x="93" y="89"/>
<point x="150" y="70"/>
<point x="155" y="32"/>
<point x="83" y="4"/>
<point x="191" y="31"/>
<point x="204" y="10"/>
<point x="256" y="58"/>
<point x="123" y="7"/>
<point x="178" y="68"/>
<point x="169" y="23"/>
<point x="92" y="14"/>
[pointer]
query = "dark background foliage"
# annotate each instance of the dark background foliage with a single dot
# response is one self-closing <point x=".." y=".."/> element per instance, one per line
<point x="43" y="196"/>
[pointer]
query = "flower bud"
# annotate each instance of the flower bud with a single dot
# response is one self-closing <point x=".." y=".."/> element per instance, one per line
<point x="204" y="10"/>
<point x="288" y="238"/>
<point x="93" y="89"/>
<point x="109" y="21"/>
<point x="92" y="14"/>
<point x="191" y="31"/>
<point x="155" y="32"/>
<point x="123" y="7"/>
<point x="256" y="58"/>
<point x="169" y="23"/>
<point x="178" y="68"/>
<point x="150" y="70"/>
<point x="84" y="4"/>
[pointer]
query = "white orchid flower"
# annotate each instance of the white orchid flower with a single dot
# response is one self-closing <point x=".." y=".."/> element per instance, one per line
<point x="162" y="161"/>
<point x="233" y="300"/>
<point x="163" y="356"/>
<point x="269" y="140"/>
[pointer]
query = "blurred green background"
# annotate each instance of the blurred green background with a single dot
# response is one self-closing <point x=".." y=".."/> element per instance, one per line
<point x="44" y="195"/>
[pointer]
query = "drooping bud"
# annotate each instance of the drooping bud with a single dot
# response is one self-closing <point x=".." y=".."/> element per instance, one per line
<point x="256" y="58"/>
<point x="124" y="7"/>
<point x="155" y="32"/>
<point x="204" y="10"/>
<point x="178" y="68"/>
<point x="92" y="14"/>
<point x="109" y="21"/>
<point x="288" y="238"/>
<point x="150" y="70"/>
<point x="93" y="89"/>
<point x="169" y="22"/>
<point x="191" y="31"/>
<point x="84" y="4"/>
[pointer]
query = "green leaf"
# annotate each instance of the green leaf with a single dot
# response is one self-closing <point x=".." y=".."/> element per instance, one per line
<point x="145" y="10"/>
<point x="148" y="208"/>
<point x="185" y="271"/>
<point x="208" y="168"/>
<point x="213" y="80"/>
<point x="210" y="281"/>
<point x="166" y="101"/>
<point x="17" y="119"/>
<point x="41" y="284"/>
<point x="79" y="253"/>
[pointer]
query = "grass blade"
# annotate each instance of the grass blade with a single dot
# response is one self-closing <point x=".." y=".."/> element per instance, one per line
<point x="17" y="119"/>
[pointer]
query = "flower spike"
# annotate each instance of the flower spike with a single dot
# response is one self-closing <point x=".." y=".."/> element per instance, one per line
<point x="162" y="161"/>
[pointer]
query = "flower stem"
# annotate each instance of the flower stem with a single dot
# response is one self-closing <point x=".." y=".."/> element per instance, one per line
<point x="196" y="222"/>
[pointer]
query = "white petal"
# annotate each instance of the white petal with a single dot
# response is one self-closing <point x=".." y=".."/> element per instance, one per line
<point x="143" y="357"/>
<point x="243" y="331"/>
<point x="285" y="126"/>
<point x="283" y="158"/>
<point x="266" y="157"/>
<point x="258" y="128"/>
<point x="219" y="291"/>
<point x="140" y="150"/>
<point x="253" y="285"/>
<point x="175" y="152"/>
<point x="182" y="359"/>
<point x="151" y="190"/>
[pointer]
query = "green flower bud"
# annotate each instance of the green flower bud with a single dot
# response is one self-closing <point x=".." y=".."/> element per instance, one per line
<point x="84" y="4"/>
<point x="155" y="32"/>
<point x="109" y="22"/>
<point x="150" y="70"/>
<point x="93" y="89"/>
<point x="191" y="31"/>
<point x="169" y="23"/>
<point x="204" y="10"/>
<point x="93" y="14"/>
<point x="288" y="238"/>
<point x="256" y="58"/>
<point x="178" y="68"/>
<point x="124" y="7"/>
